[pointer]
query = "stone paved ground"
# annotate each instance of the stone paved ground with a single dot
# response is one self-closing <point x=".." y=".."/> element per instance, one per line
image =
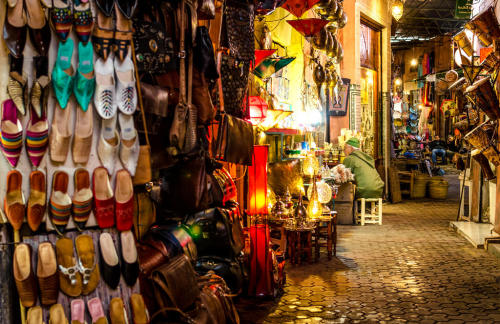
<point x="410" y="269"/>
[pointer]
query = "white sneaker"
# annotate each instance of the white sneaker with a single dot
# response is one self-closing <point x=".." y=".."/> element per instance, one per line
<point x="129" y="148"/>
<point x="126" y="93"/>
<point x="104" y="97"/>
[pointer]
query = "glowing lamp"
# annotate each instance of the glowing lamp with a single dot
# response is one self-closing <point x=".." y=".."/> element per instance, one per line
<point x="314" y="209"/>
<point x="398" y="82"/>
<point x="397" y="9"/>
<point x="257" y="181"/>
<point x="258" y="109"/>
<point x="310" y="166"/>
<point x="414" y="62"/>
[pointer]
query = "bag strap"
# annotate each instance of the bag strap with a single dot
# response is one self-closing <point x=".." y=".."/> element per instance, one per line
<point x="182" y="54"/>
<point x="139" y="95"/>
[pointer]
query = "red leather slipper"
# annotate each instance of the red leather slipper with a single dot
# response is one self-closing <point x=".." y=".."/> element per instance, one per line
<point x="124" y="197"/>
<point x="104" y="201"/>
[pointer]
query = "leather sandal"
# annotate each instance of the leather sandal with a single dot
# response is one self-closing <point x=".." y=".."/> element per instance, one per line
<point x="14" y="30"/>
<point x="87" y="263"/>
<point x="70" y="278"/>
<point x="124" y="198"/>
<point x="104" y="201"/>
<point x="103" y="34"/>
<point x="38" y="27"/>
<point x="24" y="275"/>
<point x="14" y="200"/>
<point x="61" y="18"/>
<point x="57" y="315"/>
<point x="37" y="200"/>
<point x="37" y="133"/>
<point x="60" y="133"/>
<point x="109" y="261"/>
<point x="82" y="198"/>
<point x="130" y="263"/>
<point x="46" y="273"/>
<point x="60" y="202"/>
<point x="139" y="311"/>
<point x="83" y="21"/>
<point x="117" y="311"/>
<point x="77" y="311"/>
<point x="123" y="34"/>
<point x="11" y="133"/>
<point x="82" y="140"/>
<point x="35" y="315"/>
<point x="94" y="306"/>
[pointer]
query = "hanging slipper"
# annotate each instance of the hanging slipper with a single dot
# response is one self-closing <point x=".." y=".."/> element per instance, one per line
<point x="37" y="135"/>
<point x="60" y="133"/>
<point x="104" y="98"/>
<point x="82" y="141"/>
<point x="82" y="199"/>
<point x="37" y="200"/>
<point x="123" y="31"/>
<point x="14" y="30"/>
<point x="46" y="272"/>
<point x="139" y="310"/>
<point x="110" y="263"/>
<point x="126" y="96"/>
<point x="94" y="306"/>
<point x="83" y="21"/>
<point x="124" y="198"/>
<point x="61" y="19"/>
<point x="24" y="275"/>
<point x="57" y="315"/>
<point x="70" y="278"/>
<point x="60" y="202"/>
<point x="104" y="201"/>
<point x="14" y="200"/>
<point x="39" y="94"/>
<point x="16" y="87"/>
<point x="35" y="315"/>
<point x="11" y="133"/>
<point x="87" y="263"/>
<point x="84" y="84"/>
<point x="129" y="148"/>
<point x="38" y="27"/>
<point x="77" y="311"/>
<point x="109" y="144"/>
<point x="117" y="311"/>
<point x="103" y="34"/>
<point x="62" y="73"/>
<point x="130" y="264"/>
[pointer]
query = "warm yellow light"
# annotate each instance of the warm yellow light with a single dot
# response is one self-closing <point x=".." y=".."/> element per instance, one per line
<point x="414" y="62"/>
<point x="314" y="209"/>
<point x="311" y="165"/>
<point x="398" y="82"/>
<point x="420" y="106"/>
<point x="397" y="9"/>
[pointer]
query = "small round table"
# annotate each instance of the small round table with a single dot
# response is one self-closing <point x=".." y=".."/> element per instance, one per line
<point x="299" y="243"/>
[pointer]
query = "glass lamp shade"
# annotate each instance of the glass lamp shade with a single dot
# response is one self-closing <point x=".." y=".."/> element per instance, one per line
<point x="397" y="9"/>
<point x="308" y="27"/>
<point x="257" y="181"/>
<point x="314" y="209"/>
<point x="310" y="167"/>
<point x="324" y="192"/>
<point x="260" y="55"/>
<point x="271" y="65"/>
<point x="258" y="109"/>
<point x="299" y="7"/>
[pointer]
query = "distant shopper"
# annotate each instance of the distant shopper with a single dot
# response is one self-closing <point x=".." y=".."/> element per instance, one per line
<point x="368" y="181"/>
<point x="438" y="148"/>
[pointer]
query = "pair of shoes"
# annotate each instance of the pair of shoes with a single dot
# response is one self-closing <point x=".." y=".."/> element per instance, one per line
<point x="110" y="262"/>
<point x="80" y="275"/>
<point x="46" y="275"/>
<point x="126" y="144"/>
<point x="113" y="208"/>
<point x="63" y="18"/>
<point x="61" y="206"/>
<point x="115" y="92"/>
<point x="19" y="14"/>
<point x="56" y="315"/>
<point x="117" y="38"/>
<point x="12" y="135"/>
<point x="14" y="204"/>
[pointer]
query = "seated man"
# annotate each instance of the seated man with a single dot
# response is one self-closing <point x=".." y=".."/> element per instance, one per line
<point x="438" y="148"/>
<point x="362" y="165"/>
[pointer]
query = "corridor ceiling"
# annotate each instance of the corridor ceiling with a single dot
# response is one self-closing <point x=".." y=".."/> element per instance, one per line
<point x="423" y="20"/>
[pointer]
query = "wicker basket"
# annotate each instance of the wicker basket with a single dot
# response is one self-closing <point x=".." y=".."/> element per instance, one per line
<point x="438" y="189"/>
<point x="420" y="186"/>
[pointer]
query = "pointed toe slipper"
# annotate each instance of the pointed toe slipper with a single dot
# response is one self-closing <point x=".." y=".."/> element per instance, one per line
<point x="82" y="141"/>
<point x="109" y="263"/>
<point x="35" y="315"/>
<point x="70" y="278"/>
<point x="61" y="19"/>
<point x="77" y="311"/>
<point x="104" y="98"/>
<point x="57" y="315"/>
<point x="14" y="205"/>
<point x="60" y="202"/>
<point x="14" y="30"/>
<point x="11" y="133"/>
<point x="107" y="150"/>
<point x="87" y="263"/>
<point x="38" y="27"/>
<point x="83" y="21"/>
<point x="126" y="94"/>
<point x="62" y="73"/>
<point x="104" y="30"/>
<point x="60" y="133"/>
<point x="37" y="200"/>
<point x="16" y="89"/>
<point x="84" y="84"/>
<point x="104" y="200"/>
<point x="46" y="272"/>
<point x="124" y="197"/>
<point x="130" y="263"/>
<point x="129" y="148"/>
<point x="24" y="275"/>
<point x="117" y="311"/>
<point x="37" y="136"/>
<point x="82" y="199"/>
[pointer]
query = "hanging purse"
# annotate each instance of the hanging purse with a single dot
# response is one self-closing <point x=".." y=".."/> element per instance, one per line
<point x="234" y="141"/>
<point x="238" y="30"/>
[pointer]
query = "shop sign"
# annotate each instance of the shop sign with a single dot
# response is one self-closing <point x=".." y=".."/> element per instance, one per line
<point x="463" y="9"/>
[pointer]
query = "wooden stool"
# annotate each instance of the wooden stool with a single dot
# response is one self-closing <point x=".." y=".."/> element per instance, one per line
<point x="375" y="214"/>
<point x="299" y="243"/>
<point x="325" y="235"/>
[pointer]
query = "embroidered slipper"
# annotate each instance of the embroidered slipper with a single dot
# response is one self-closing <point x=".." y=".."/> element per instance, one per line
<point x="38" y="27"/>
<point x="82" y="198"/>
<point x="70" y="278"/>
<point x="123" y="34"/>
<point x="17" y="91"/>
<point x="83" y="21"/>
<point x="117" y="311"/>
<point x="77" y="311"/>
<point x="24" y="275"/>
<point x="103" y="34"/>
<point x="130" y="264"/>
<point x="139" y="310"/>
<point x="87" y="263"/>
<point x="60" y="202"/>
<point x="46" y="272"/>
<point x="62" y="73"/>
<point x="84" y="84"/>
<point x="57" y="315"/>
<point x="110" y="263"/>
<point x="14" y="200"/>
<point x="129" y="148"/>
<point x="126" y="96"/>
<point x="82" y="141"/>
<point x="37" y="200"/>
<point x="104" y="201"/>
<point x="60" y="133"/>
<point x="94" y="306"/>
<point x="104" y="98"/>
<point x="14" y="30"/>
<point x="37" y="135"/>
<point x="11" y="133"/>
<point x="109" y="143"/>
<point x="124" y="197"/>
<point x="61" y="19"/>
<point x="35" y="315"/>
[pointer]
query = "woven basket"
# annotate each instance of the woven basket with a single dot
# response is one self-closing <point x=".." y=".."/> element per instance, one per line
<point x="438" y="189"/>
<point x="420" y="186"/>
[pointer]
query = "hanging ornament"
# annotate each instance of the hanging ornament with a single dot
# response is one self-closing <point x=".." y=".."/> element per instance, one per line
<point x="260" y="55"/>
<point x="319" y="40"/>
<point x="326" y="6"/>
<point x="266" y="7"/>
<point x="271" y="65"/>
<point x="319" y="77"/>
<point x="299" y="7"/>
<point x="397" y="9"/>
<point x="308" y="27"/>
<point x="342" y="21"/>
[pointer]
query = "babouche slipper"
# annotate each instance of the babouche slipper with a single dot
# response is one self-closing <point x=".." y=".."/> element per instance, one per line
<point x="126" y="96"/>
<point x="110" y="263"/>
<point x="37" y="135"/>
<point x="37" y="200"/>
<point x="124" y="197"/>
<point x="62" y="73"/>
<point x="94" y="306"/>
<point x="109" y="144"/>
<point x="117" y="311"/>
<point x="57" y="315"/>
<point x="104" y="98"/>
<point x="82" y="141"/>
<point x="129" y="148"/>
<point x="70" y="278"/>
<point x="46" y="272"/>
<point x="103" y="33"/>
<point x="61" y="19"/>
<point x="60" y="202"/>
<point x="11" y="133"/>
<point x="87" y="263"/>
<point x="83" y="20"/>
<point x="104" y="200"/>
<point x="35" y="315"/>
<point x="82" y="198"/>
<point x="130" y="262"/>
<point x="77" y="311"/>
<point x="14" y="205"/>
<point x="139" y="310"/>
<point x="24" y="275"/>
<point x="38" y="27"/>
<point x="60" y="133"/>
<point x="14" y="30"/>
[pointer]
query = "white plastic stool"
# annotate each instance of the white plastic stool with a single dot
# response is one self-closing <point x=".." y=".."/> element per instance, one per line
<point x="375" y="214"/>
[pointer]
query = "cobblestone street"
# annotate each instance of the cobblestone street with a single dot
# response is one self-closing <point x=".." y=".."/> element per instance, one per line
<point x="410" y="269"/>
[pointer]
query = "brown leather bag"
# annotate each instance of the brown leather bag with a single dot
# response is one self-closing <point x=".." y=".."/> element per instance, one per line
<point x="234" y="142"/>
<point x="144" y="212"/>
<point x="151" y="254"/>
<point x="222" y="291"/>
<point x="155" y="99"/>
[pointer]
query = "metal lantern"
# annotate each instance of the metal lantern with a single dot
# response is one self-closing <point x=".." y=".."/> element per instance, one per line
<point x="397" y="9"/>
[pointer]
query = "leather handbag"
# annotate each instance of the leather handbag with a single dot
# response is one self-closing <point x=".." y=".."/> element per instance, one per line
<point x="155" y="99"/>
<point x="238" y="30"/>
<point x="144" y="212"/>
<point x="234" y="78"/>
<point x="229" y="269"/>
<point x="152" y="253"/>
<point x="222" y="291"/>
<point x="234" y="141"/>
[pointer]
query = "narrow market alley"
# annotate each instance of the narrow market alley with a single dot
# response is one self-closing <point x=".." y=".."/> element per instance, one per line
<point x="413" y="268"/>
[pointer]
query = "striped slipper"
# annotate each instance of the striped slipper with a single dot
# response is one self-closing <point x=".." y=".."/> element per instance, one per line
<point x="37" y="136"/>
<point x="83" y="21"/>
<point x="60" y="201"/>
<point x="61" y="19"/>
<point x="82" y="199"/>
<point x="11" y="133"/>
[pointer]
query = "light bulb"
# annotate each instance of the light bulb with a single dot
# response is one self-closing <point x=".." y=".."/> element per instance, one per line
<point x="398" y="81"/>
<point x="397" y="9"/>
<point x="414" y="62"/>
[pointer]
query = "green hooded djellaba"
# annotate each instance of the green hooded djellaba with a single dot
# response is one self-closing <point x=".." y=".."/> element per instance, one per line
<point x="368" y="181"/>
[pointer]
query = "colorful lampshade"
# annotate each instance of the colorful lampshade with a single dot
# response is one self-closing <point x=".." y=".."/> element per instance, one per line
<point x="260" y="55"/>
<point x="258" y="109"/>
<point x="299" y="7"/>
<point x="308" y="27"/>
<point x="257" y="181"/>
<point x="266" y="7"/>
<point x="271" y="65"/>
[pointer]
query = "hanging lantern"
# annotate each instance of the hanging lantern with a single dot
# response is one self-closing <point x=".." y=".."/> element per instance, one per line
<point x="314" y="209"/>
<point x="397" y="9"/>
<point x="271" y="65"/>
<point x="308" y="27"/>
<point x="299" y="7"/>
<point x="258" y="109"/>
<point x="257" y="181"/>
<point x="324" y="192"/>
<point x="310" y="167"/>
<point x="261" y="55"/>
